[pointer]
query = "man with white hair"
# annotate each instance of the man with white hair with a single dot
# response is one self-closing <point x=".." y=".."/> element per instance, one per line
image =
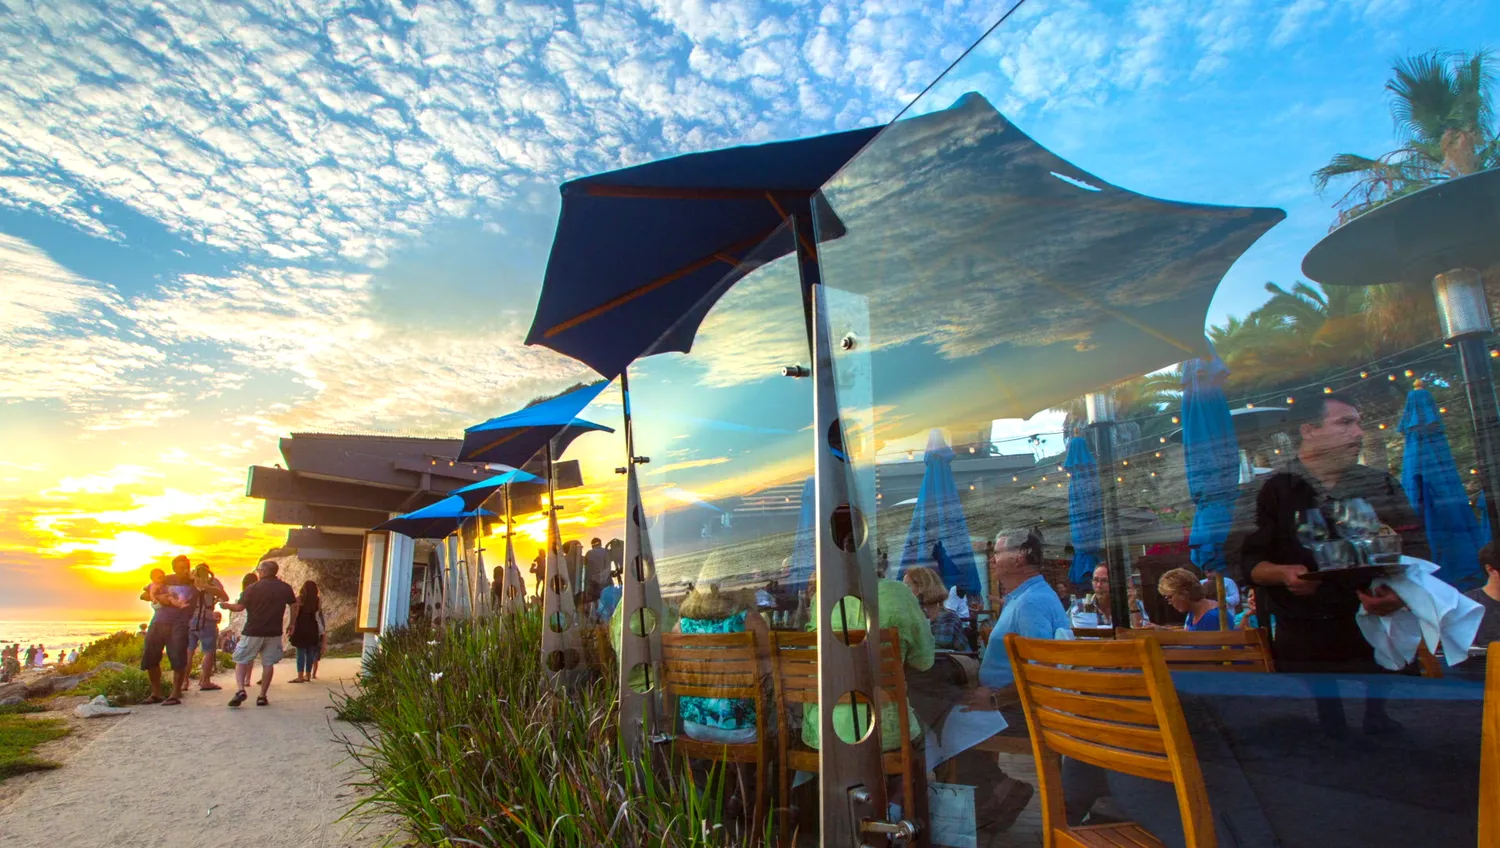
<point x="265" y="604"/>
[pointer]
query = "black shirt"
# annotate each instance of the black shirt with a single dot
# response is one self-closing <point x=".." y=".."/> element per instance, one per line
<point x="1265" y="530"/>
<point x="1489" y="627"/>
<point x="265" y="606"/>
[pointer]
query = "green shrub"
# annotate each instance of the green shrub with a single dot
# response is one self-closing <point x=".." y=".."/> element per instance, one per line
<point x="17" y="709"/>
<point x="463" y="738"/>
<point x="122" y="688"/>
<point x="121" y="647"/>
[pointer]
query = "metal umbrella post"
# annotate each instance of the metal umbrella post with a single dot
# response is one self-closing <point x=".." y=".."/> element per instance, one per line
<point x="641" y="615"/>
<point x="1101" y="412"/>
<point x="561" y="644"/>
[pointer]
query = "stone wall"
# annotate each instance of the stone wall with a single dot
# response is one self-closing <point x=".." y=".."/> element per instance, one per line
<point x="337" y="579"/>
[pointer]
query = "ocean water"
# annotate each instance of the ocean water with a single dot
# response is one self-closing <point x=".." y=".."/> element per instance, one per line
<point x="60" y="636"/>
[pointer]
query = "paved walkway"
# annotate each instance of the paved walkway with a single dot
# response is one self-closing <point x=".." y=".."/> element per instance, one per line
<point x="201" y="774"/>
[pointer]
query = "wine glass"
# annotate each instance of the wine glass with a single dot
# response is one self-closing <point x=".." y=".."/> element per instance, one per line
<point x="1360" y="526"/>
<point x="1312" y="532"/>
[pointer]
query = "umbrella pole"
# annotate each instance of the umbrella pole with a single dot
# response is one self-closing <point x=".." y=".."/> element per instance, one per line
<point x="851" y="778"/>
<point x="1101" y="412"/>
<point x="561" y="652"/>
<point x="641" y="611"/>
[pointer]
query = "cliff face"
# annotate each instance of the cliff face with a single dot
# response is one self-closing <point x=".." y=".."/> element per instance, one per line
<point x="337" y="579"/>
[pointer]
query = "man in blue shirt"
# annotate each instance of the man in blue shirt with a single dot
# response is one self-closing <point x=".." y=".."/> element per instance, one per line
<point x="1032" y="608"/>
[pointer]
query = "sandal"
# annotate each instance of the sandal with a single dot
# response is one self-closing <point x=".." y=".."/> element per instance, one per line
<point x="154" y="699"/>
<point x="297" y="680"/>
<point x="212" y="687"/>
<point x="261" y="701"/>
<point x="171" y="702"/>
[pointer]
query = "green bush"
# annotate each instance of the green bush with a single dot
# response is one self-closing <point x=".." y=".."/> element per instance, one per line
<point x="122" y="688"/>
<point x="17" y="709"/>
<point x="127" y="648"/>
<point x="464" y="739"/>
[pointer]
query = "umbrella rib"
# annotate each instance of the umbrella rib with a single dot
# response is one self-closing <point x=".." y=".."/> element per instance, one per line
<point x="722" y="254"/>
<point x="806" y="244"/>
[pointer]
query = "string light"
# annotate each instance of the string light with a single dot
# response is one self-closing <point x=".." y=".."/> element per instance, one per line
<point x="1494" y="354"/>
<point x="1158" y="454"/>
<point x="1176" y="420"/>
<point x="1327" y="390"/>
<point x="1044" y="478"/>
<point x="1364" y="374"/>
<point x="1119" y="479"/>
<point x="1443" y="409"/>
<point x="1391" y="377"/>
<point x="1013" y="478"/>
<point x="1291" y="399"/>
<point x="1126" y="462"/>
<point x="1409" y="372"/>
<point x="1153" y="474"/>
<point x="1473" y="470"/>
<point x="1382" y="426"/>
<point x="1163" y="439"/>
<point x="1249" y="406"/>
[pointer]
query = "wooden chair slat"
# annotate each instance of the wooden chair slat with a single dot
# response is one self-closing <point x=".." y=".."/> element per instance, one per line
<point x="704" y="640"/>
<point x="1128" y="762"/>
<point x="1146" y="740"/>
<point x="714" y="690"/>
<point x="1095" y="706"/>
<point x="1121" y="835"/>
<point x="1096" y="654"/>
<point x="742" y="668"/>
<point x="1093" y="682"/>
<point x="1093" y="633"/>
<point x="1187" y="650"/>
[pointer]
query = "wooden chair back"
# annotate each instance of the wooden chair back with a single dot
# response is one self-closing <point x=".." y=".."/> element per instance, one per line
<point x="1489" y="753"/>
<point x="1210" y="650"/>
<point x="1093" y="633"/>
<point x="719" y="665"/>
<point x="1110" y="704"/>
<point x="794" y="664"/>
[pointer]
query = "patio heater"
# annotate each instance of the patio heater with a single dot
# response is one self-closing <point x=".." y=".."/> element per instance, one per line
<point x="640" y="596"/>
<point x="1100" y="407"/>
<point x="1445" y="234"/>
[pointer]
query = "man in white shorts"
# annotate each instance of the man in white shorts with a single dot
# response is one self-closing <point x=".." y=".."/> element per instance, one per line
<point x="264" y="603"/>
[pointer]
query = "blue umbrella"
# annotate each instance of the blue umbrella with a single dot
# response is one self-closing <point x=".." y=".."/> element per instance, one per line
<point x="1211" y="453"/>
<point x="515" y="438"/>
<point x="1431" y="481"/>
<point x="804" y="552"/>
<point x="939" y="535"/>
<point x="436" y="521"/>
<point x="475" y="494"/>
<point x="639" y="248"/>
<point x="1482" y="507"/>
<point x="1085" y="510"/>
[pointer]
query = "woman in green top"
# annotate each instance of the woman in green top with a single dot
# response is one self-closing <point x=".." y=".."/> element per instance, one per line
<point x="728" y="721"/>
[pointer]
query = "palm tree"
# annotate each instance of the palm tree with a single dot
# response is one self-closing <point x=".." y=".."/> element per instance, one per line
<point x="1445" y="123"/>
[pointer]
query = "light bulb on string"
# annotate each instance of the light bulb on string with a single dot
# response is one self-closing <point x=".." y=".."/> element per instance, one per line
<point x="1364" y="374"/>
<point x="1327" y="390"/>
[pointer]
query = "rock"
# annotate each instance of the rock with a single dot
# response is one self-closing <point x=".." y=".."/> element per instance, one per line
<point x="64" y="682"/>
<point x="12" y="701"/>
<point x="43" y="685"/>
<point x="16" y="689"/>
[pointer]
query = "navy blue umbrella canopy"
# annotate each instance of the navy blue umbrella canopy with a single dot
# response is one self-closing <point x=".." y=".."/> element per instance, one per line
<point x="1085" y="510"/>
<point x="1437" y="492"/>
<point x="1211" y="453"/>
<point x="436" y="521"/>
<point x="475" y="494"/>
<point x="938" y="536"/>
<point x="515" y="438"/>
<point x="638" y="248"/>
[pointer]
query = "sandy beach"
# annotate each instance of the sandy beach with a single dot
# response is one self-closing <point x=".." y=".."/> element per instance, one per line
<point x="201" y="774"/>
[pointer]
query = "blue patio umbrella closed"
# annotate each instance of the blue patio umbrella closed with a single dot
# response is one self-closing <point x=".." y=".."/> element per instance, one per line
<point x="1211" y="453"/>
<point x="436" y="521"/>
<point x="1085" y="510"/>
<point x="515" y="438"/>
<point x="1437" y="492"/>
<point x="938" y="518"/>
<point x="804" y="552"/>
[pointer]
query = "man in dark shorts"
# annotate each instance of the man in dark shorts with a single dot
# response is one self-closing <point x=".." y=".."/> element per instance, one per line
<point x="175" y="598"/>
<point x="265" y="604"/>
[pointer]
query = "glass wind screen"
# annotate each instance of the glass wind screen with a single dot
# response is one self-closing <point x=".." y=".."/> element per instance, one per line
<point x="728" y="497"/>
<point x="1112" y="359"/>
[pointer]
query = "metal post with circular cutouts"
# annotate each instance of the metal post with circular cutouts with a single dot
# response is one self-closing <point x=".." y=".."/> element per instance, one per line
<point x="641" y="611"/>
<point x="562" y="654"/>
<point x="854" y="808"/>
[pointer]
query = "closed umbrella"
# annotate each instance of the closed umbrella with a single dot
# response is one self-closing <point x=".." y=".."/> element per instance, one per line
<point x="1085" y="510"/>
<point x="1212" y="456"/>
<point x="939" y="535"/>
<point x="476" y="494"/>
<point x="1431" y="481"/>
<point x="804" y="550"/>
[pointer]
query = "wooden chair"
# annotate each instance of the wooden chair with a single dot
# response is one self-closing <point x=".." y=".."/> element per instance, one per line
<point x="1489" y="753"/>
<point x="719" y="665"/>
<point x="1093" y="633"/>
<point x="1112" y="705"/>
<point x="794" y="662"/>
<point x="1210" y="650"/>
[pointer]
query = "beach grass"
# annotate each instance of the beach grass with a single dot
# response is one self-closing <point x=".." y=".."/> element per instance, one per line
<point x="19" y="736"/>
<point x="462" y="737"/>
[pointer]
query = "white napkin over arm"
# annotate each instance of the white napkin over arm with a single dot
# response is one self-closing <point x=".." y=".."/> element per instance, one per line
<point x="1434" y="612"/>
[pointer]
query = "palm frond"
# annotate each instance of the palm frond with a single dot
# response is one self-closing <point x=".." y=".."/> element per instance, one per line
<point x="1421" y="96"/>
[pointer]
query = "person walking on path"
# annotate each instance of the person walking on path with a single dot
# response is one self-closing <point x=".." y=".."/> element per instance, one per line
<point x="203" y="630"/>
<point x="174" y="597"/>
<point x="265" y="605"/>
<point x="308" y="628"/>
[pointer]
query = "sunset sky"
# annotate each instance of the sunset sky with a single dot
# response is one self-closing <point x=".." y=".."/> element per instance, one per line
<point x="224" y="222"/>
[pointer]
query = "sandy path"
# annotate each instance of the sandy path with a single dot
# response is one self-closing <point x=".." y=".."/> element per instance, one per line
<point x="201" y="774"/>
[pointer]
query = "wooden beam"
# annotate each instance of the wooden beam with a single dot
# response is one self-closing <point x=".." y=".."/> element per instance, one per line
<point x="311" y="537"/>
<point x="282" y="485"/>
<point x="306" y="515"/>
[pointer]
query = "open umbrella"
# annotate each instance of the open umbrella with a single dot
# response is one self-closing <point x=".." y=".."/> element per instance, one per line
<point x="1431" y="480"/>
<point x="1085" y="510"/>
<point x="476" y="494"/>
<point x="515" y="438"/>
<point x="638" y="248"/>
<point x="435" y="521"/>
<point x="938" y="520"/>
<point x="1211" y="453"/>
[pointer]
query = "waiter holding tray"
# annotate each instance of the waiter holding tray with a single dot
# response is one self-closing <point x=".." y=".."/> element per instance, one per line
<point x="1315" y="627"/>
